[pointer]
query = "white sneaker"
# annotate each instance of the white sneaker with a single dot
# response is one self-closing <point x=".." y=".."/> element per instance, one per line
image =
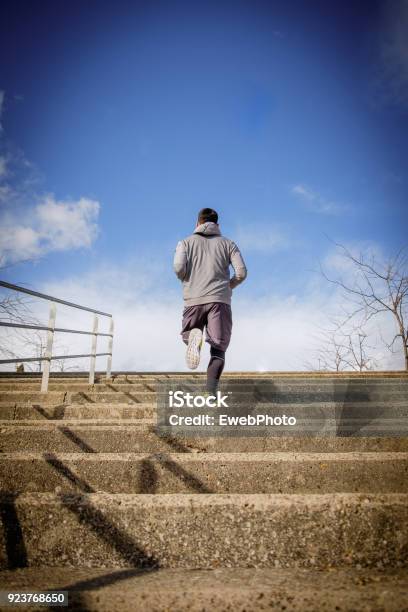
<point x="195" y="341"/>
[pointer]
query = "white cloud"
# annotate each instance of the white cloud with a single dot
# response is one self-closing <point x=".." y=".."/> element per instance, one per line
<point x="20" y="180"/>
<point x="303" y="191"/>
<point x="262" y="238"/>
<point x="49" y="226"/>
<point x="316" y="202"/>
<point x="268" y="333"/>
<point x="68" y="225"/>
<point x="30" y="231"/>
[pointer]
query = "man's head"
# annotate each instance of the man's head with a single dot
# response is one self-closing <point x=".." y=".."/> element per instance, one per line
<point x="207" y="214"/>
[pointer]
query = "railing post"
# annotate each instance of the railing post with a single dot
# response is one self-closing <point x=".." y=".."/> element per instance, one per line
<point x="48" y="350"/>
<point x="93" y="351"/>
<point x="110" y="345"/>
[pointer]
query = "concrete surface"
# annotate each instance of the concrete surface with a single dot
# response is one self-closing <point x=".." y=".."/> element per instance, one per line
<point x="352" y="472"/>
<point x="139" y="436"/>
<point x="96" y="501"/>
<point x="205" y="531"/>
<point x="219" y="590"/>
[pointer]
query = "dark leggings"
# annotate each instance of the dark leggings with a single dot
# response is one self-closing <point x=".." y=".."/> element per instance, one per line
<point x="215" y="368"/>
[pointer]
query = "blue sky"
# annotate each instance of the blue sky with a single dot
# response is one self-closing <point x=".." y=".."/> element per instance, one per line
<point x="291" y="119"/>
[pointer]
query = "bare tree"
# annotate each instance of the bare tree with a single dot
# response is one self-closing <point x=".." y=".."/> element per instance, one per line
<point x="33" y="342"/>
<point x="329" y="356"/>
<point x="343" y="348"/>
<point x="17" y="308"/>
<point x="14" y="308"/>
<point x="61" y="365"/>
<point x="357" y="356"/>
<point x="378" y="287"/>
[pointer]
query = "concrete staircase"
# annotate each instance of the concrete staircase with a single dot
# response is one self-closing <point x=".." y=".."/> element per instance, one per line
<point x="96" y="502"/>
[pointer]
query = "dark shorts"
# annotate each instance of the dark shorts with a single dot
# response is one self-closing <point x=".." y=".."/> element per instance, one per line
<point x="216" y="317"/>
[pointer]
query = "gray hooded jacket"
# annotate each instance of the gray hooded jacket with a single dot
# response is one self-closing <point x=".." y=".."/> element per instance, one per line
<point x="202" y="262"/>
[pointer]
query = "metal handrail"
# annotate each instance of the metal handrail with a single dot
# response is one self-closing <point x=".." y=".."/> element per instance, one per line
<point x="51" y="329"/>
<point x="44" y="327"/>
<point x="50" y="298"/>
<point x="54" y="357"/>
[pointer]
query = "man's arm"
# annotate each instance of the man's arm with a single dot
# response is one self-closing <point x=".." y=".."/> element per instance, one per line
<point x="237" y="262"/>
<point x="180" y="260"/>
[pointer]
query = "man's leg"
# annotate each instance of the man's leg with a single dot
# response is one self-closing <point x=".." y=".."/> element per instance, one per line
<point x="219" y="327"/>
<point x="215" y="368"/>
<point x="194" y="319"/>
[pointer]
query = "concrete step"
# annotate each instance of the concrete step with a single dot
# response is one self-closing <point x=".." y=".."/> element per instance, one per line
<point x="100" y="376"/>
<point x="218" y="590"/>
<point x="283" y="396"/>
<point x="60" y="397"/>
<point x="121" y="436"/>
<point x="205" y="531"/>
<point x="327" y="427"/>
<point x="77" y="411"/>
<point x="365" y="412"/>
<point x="77" y="386"/>
<point x="205" y="472"/>
<point x="283" y="385"/>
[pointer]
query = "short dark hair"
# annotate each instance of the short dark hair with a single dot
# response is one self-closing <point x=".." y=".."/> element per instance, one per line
<point x="207" y="214"/>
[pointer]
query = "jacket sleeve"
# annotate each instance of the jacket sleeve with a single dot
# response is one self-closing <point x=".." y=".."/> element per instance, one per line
<point x="238" y="264"/>
<point x="180" y="260"/>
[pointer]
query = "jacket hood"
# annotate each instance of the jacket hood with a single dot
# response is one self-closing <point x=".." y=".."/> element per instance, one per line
<point x="208" y="229"/>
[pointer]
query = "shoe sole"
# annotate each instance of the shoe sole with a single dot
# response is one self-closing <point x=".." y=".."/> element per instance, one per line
<point x="195" y="340"/>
